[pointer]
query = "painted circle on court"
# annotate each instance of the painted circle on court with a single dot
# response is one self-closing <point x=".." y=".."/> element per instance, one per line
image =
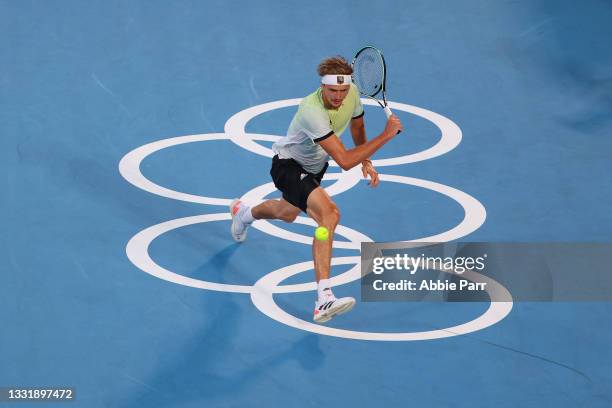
<point x="137" y="251"/>
<point x="262" y="298"/>
<point x="263" y="290"/>
<point x="474" y="214"/>
<point x="129" y="167"/>
<point x="235" y="127"/>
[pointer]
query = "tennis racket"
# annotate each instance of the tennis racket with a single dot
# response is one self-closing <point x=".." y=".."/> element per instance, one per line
<point x="369" y="74"/>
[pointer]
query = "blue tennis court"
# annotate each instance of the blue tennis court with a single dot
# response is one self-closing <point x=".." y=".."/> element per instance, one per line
<point x="128" y="127"/>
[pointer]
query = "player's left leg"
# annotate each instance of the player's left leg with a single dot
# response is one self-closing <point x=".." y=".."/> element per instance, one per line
<point x="323" y="210"/>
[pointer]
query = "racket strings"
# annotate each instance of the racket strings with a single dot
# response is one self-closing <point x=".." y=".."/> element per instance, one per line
<point x="368" y="72"/>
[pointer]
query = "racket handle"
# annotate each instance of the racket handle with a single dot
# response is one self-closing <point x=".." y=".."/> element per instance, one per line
<point x="388" y="112"/>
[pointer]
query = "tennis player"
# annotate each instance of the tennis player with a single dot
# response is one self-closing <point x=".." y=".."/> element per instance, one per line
<point x="301" y="161"/>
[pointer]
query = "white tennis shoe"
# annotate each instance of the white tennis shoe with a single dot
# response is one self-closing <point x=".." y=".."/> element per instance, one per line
<point x="330" y="307"/>
<point x="239" y="228"/>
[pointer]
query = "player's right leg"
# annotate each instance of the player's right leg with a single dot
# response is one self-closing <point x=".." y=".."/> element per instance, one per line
<point x="276" y="210"/>
<point x="287" y="177"/>
<point x="243" y="215"/>
<point x="241" y="219"/>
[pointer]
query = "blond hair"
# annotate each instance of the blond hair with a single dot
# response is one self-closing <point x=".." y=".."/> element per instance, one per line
<point x="334" y="65"/>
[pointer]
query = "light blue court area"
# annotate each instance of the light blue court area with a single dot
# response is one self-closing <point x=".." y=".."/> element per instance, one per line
<point x="128" y="127"/>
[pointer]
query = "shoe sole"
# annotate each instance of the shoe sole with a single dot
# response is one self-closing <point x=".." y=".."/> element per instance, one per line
<point x="341" y="310"/>
<point x="231" y="207"/>
<point x="323" y="319"/>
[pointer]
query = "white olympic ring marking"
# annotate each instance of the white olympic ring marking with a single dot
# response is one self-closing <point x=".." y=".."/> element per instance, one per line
<point x="261" y="297"/>
<point x="129" y="166"/>
<point x="262" y="291"/>
<point x="137" y="248"/>
<point x="475" y="214"/>
<point x="451" y="133"/>
<point x="137" y="251"/>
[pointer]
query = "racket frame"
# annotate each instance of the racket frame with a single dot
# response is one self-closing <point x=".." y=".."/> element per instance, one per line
<point x="383" y="86"/>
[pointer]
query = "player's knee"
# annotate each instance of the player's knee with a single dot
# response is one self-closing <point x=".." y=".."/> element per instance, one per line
<point x="331" y="218"/>
<point x="336" y="213"/>
<point x="289" y="217"/>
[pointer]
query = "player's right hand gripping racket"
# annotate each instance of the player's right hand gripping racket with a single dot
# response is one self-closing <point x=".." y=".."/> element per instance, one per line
<point x="369" y="74"/>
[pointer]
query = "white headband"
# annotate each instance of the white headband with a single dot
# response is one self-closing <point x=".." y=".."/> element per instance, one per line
<point x="336" y="79"/>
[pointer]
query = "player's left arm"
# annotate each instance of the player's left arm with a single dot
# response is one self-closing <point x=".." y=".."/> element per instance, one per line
<point x="359" y="137"/>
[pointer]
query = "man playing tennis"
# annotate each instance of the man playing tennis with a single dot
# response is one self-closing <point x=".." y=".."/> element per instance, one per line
<point x="301" y="161"/>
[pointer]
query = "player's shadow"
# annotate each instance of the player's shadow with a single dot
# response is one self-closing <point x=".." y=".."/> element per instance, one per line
<point x="221" y="262"/>
<point x="215" y="368"/>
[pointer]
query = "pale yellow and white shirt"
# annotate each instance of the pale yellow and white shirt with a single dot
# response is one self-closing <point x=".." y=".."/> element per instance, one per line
<point x="313" y="123"/>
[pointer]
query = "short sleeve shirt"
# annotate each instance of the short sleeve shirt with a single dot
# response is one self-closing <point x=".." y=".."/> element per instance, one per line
<point x="313" y="123"/>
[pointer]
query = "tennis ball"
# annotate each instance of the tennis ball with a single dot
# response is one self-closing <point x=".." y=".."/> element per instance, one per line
<point x="321" y="234"/>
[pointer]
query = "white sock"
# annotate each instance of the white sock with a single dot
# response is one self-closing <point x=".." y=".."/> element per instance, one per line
<point x="324" y="289"/>
<point x="246" y="216"/>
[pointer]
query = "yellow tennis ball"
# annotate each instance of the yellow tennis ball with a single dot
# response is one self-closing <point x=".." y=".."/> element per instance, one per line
<point x="321" y="234"/>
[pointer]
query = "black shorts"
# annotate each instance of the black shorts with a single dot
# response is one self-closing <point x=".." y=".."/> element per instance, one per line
<point x="293" y="181"/>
